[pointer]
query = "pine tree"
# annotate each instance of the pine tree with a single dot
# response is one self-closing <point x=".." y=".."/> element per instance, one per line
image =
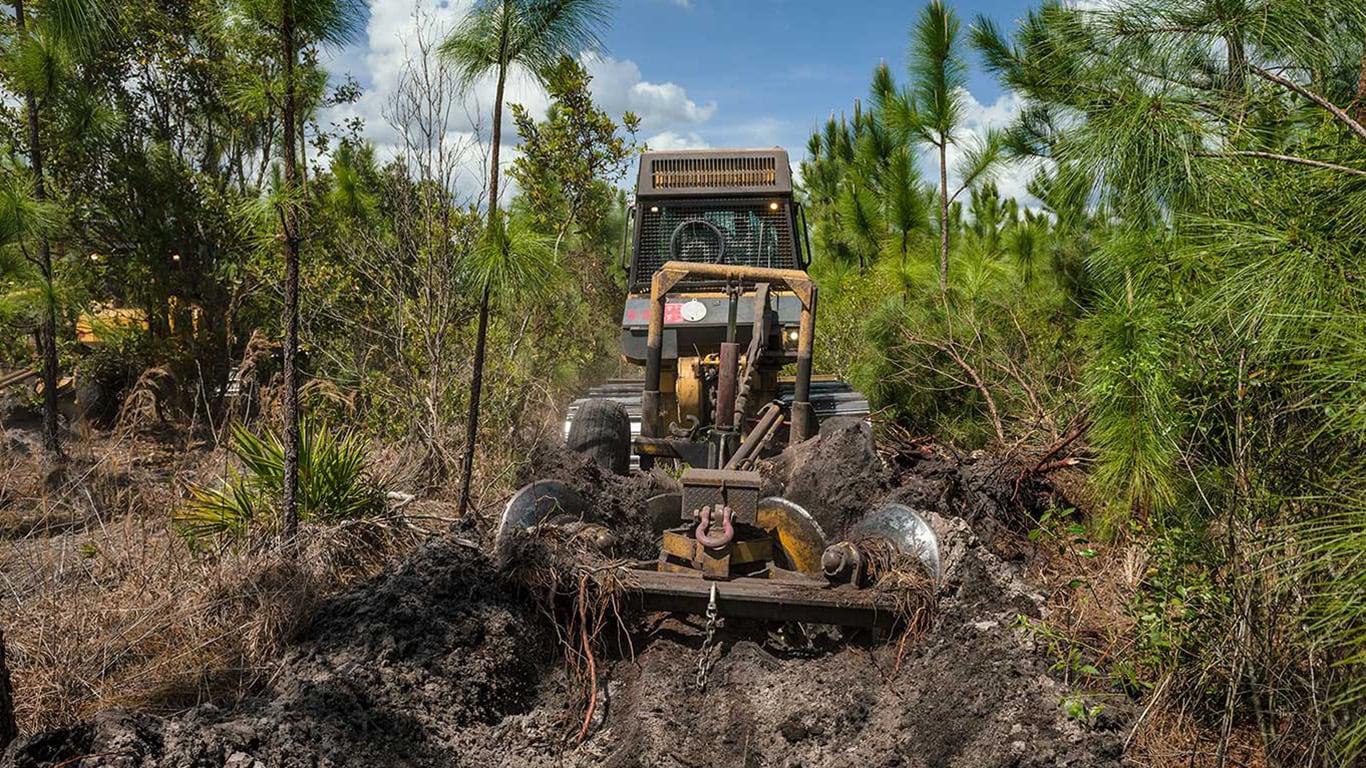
<point x="496" y="37"/>
<point x="295" y="26"/>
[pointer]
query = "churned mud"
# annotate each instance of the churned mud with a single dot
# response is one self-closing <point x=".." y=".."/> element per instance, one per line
<point x="438" y="662"/>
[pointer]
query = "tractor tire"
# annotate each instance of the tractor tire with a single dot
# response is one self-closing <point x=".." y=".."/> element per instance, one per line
<point x="90" y="403"/>
<point x="601" y="430"/>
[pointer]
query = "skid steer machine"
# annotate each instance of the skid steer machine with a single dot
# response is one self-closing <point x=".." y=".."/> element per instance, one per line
<point x="720" y="307"/>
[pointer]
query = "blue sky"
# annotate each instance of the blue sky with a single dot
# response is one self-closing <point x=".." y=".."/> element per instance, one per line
<point x="775" y="67"/>
<point x="699" y="72"/>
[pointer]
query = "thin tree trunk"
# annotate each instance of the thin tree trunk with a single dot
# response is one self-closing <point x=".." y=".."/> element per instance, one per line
<point x="303" y="157"/>
<point x="497" y="140"/>
<point x="477" y="377"/>
<point x="1361" y="88"/>
<point x="47" y="330"/>
<point x="9" y="728"/>
<point x="472" y="425"/>
<point x="943" y="215"/>
<point x="290" y="401"/>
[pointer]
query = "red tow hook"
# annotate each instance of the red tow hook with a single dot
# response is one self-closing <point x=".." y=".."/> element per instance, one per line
<point x="727" y="529"/>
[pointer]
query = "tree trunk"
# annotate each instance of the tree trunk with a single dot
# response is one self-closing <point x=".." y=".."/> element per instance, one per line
<point x="495" y="150"/>
<point x="943" y="215"/>
<point x="9" y="728"/>
<point x="290" y="399"/>
<point x="47" y="329"/>
<point x="472" y="425"/>
<point x="477" y="377"/>
<point x="1361" y="88"/>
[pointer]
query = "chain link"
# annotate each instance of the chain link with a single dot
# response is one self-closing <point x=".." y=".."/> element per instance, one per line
<point x="704" y="660"/>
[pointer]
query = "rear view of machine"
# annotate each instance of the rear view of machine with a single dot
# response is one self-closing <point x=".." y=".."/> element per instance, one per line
<point x="721" y="315"/>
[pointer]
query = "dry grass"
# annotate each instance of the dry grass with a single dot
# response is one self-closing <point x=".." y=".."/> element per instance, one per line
<point x="1089" y="597"/>
<point x="1088" y="606"/>
<point x="148" y="402"/>
<point x="1166" y="736"/>
<point x="104" y="604"/>
<point x="126" y="616"/>
<point x="903" y="574"/>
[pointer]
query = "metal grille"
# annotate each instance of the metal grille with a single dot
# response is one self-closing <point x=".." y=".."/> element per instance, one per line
<point x="714" y="172"/>
<point x="752" y="235"/>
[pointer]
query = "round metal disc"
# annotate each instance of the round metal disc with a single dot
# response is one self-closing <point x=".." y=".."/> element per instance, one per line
<point x="538" y="502"/>
<point x="904" y="527"/>
<point x="664" y="511"/>
<point x="796" y="533"/>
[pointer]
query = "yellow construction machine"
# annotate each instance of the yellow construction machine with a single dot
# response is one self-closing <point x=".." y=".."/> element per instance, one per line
<point x="720" y="310"/>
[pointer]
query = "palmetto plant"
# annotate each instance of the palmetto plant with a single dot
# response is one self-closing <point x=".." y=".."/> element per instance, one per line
<point x="334" y="484"/>
<point x="495" y="37"/>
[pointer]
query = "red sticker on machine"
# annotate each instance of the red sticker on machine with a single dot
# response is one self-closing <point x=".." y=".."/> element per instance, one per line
<point x="673" y="314"/>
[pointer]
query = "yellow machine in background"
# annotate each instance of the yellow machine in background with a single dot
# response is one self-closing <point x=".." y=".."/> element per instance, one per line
<point x="80" y="396"/>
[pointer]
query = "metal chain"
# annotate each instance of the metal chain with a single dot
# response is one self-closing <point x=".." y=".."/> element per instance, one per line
<point x="704" y="655"/>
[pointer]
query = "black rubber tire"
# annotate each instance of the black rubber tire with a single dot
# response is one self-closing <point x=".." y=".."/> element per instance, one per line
<point x="91" y="402"/>
<point x="601" y="430"/>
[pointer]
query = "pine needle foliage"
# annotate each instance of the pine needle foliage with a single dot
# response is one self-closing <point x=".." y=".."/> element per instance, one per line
<point x="1223" y="145"/>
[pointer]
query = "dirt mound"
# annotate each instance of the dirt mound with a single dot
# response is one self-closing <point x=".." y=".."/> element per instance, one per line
<point x="837" y="475"/>
<point x="615" y="500"/>
<point x="999" y="498"/>
<point x="972" y="693"/>
<point x="435" y="663"/>
<point x="390" y="674"/>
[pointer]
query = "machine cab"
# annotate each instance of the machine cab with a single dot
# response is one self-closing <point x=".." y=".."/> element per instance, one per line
<point x="732" y="207"/>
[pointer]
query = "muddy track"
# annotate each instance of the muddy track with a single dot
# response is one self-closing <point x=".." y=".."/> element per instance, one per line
<point x="437" y="663"/>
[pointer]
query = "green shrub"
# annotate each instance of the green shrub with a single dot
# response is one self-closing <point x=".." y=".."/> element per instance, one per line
<point x="334" y="484"/>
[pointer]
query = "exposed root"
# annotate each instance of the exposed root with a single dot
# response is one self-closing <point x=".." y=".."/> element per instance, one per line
<point x="563" y="566"/>
<point x="905" y="576"/>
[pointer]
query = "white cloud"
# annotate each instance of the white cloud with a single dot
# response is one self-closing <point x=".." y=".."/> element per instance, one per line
<point x="393" y="37"/>
<point x="672" y="140"/>
<point x="685" y="4"/>
<point x="766" y="132"/>
<point x="618" y="86"/>
<point x="999" y="114"/>
<point x="1011" y="178"/>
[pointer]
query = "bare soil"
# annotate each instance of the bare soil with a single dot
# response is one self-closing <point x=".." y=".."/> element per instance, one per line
<point x="437" y="662"/>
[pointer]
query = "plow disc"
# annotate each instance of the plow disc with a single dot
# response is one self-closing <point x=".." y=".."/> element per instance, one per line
<point x="904" y="529"/>
<point x="543" y="501"/>
<point x="770" y="561"/>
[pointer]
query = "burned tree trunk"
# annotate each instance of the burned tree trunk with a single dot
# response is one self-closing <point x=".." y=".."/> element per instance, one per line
<point x="9" y="728"/>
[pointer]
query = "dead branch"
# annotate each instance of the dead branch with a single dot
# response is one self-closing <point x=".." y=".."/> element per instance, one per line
<point x="977" y="382"/>
<point x="1333" y="109"/>
<point x="1046" y="463"/>
<point x="1285" y="159"/>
